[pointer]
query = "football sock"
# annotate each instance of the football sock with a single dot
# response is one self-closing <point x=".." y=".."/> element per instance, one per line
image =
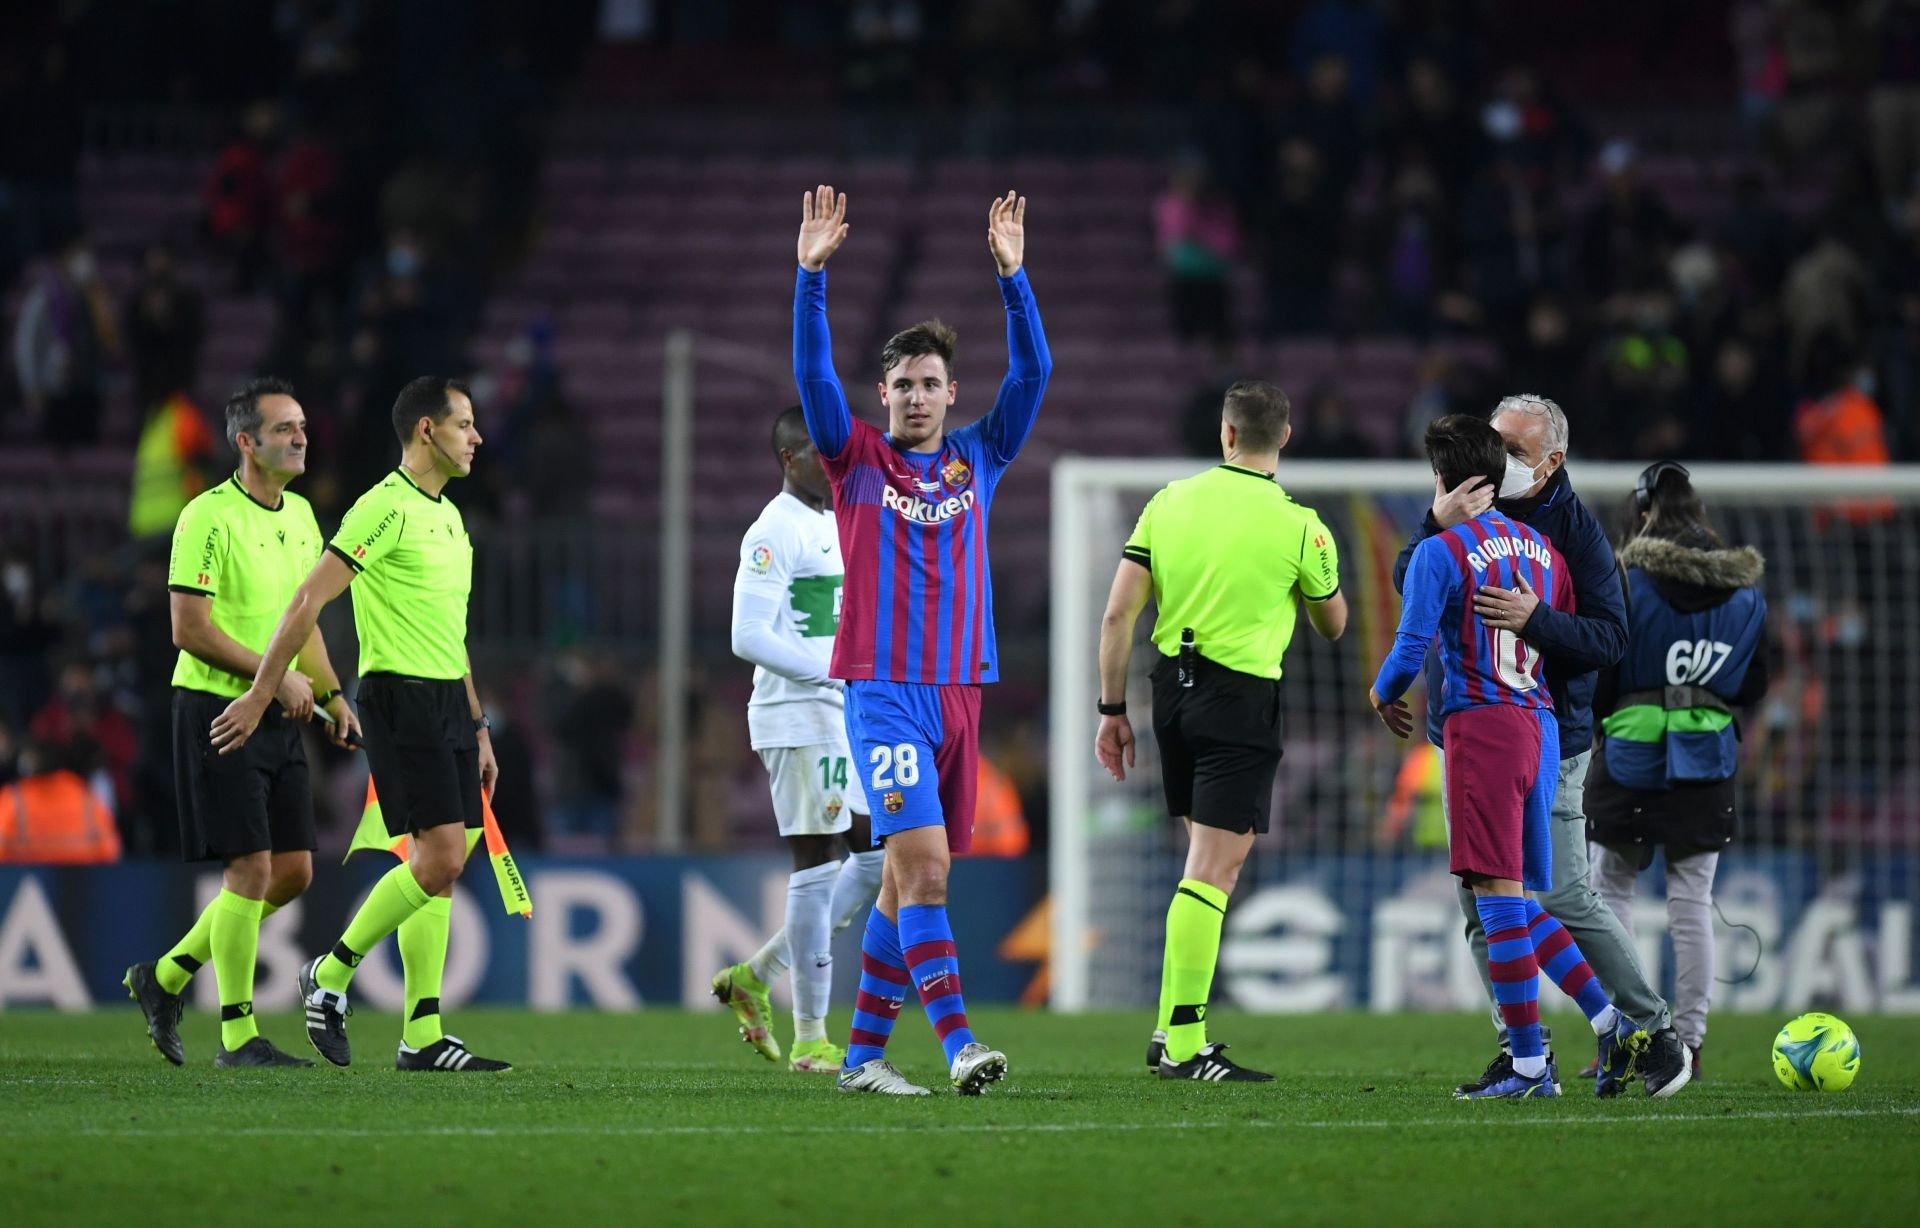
<point x="235" y="937"/>
<point x="1559" y="957"/>
<point x="1515" y="974"/>
<point x="1186" y="970"/>
<point x="422" y="939"/>
<point x="177" y="966"/>
<point x="883" y="987"/>
<point x="770" y="960"/>
<point x="857" y="886"/>
<point x="809" y="896"/>
<point x="397" y="896"/>
<point x="926" y="939"/>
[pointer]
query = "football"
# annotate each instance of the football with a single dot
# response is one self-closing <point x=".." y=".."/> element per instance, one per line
<point x="1816" y="1053"/>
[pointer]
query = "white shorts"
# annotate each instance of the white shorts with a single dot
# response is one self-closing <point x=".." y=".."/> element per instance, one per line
<point x="815" y="788"/>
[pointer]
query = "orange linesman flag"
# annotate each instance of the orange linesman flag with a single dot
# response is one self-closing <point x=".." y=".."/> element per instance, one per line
<point x="373" y="834"/>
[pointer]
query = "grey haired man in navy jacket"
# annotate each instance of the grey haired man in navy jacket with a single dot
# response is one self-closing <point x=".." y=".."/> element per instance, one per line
<point x="1575" y="646"/>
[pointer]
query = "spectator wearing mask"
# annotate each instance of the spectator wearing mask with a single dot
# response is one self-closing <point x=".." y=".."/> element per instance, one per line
<point x="1663" y="777"/>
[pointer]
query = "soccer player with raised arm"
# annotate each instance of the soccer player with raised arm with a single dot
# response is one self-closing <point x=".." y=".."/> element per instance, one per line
<point x="786" y="608"/>
<point x="239" y="552"/>
<point x="404" y="546"/>
<point x="1503" y="753"/>
<point x="916" y="630"/>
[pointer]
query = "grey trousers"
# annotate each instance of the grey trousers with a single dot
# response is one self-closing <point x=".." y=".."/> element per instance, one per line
<point x="1604" y="942"/>
<point x="1689" y="923"/>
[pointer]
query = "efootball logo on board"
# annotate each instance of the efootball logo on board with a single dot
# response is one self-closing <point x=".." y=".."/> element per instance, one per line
<point x="894" y="801"/>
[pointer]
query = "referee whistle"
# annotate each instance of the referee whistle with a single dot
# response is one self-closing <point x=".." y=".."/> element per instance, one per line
<point x="353" y="736"/>
<point x="1189" y="661"/>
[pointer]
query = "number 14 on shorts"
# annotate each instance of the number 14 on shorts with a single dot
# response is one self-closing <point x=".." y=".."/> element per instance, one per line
<point x="833" y="771"/>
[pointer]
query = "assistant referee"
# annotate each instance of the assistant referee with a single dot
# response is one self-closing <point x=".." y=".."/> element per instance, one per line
<point x="239" y="552"/>
<point x="1226" y="556"/>
<point x="406" y="546"/>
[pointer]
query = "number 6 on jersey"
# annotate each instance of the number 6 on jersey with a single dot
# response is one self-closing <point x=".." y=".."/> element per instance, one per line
<point x="889" y="762"/>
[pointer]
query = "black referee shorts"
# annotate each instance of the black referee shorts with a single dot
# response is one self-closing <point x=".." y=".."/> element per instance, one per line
<point x="422" y="750"/>
<point x="256" y="799"/>
<point x="1219" y="744"/>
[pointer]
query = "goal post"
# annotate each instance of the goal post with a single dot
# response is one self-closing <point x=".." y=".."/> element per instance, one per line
<point x="1346" y="902"/>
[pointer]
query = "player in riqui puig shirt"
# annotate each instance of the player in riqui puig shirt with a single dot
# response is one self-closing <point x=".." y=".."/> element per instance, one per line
<point x="916" y="626"/>
<point x="1502" y="753"/>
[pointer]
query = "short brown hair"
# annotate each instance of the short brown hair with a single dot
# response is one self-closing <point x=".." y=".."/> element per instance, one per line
<point x="927" y="337"/>
<point x="1259" y="411"/>
<point x="1463" y="447"/>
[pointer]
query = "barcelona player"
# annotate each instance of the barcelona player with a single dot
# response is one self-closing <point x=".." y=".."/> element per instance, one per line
<point x="916" y="640"/>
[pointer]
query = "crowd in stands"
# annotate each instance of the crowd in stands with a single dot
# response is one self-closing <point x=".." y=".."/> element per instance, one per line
<point x="1434" y="170"/>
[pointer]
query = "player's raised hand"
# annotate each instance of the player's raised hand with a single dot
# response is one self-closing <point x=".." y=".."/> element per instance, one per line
<point x="1007" y="233"/>
<point x="1462" y="503"/>
<point x="1395" y="716"/>
<point x="823" y="226"/>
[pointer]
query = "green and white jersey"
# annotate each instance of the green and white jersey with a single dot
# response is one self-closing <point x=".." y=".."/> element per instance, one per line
<point x="786" y="610"/>
<point x="248" y="559"/>
<point x="414" y="570"/>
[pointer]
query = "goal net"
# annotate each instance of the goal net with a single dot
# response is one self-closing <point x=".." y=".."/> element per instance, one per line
<point x="1347" y="901"/>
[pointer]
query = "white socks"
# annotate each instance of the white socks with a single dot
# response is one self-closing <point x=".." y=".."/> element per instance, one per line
<point x="809" y="896"/>
<point x="770" y="960"/>
<point x="857" y="887"/>
<point x="1605" y="1022"/>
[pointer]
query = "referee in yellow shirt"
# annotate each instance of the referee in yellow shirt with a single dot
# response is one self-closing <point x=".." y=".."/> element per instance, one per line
<point x="1226" y="556"/>
<point x="404" y="548"/>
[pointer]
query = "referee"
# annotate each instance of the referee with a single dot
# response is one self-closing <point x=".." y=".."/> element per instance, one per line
<point x="239" y="552"/>
<point x="1226" y="556"/>
<point x="426" y="736"/>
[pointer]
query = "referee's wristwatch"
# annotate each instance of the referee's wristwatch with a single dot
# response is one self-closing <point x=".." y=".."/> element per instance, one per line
<point x="1107" y="709"/>
<point x="482" y="723"/>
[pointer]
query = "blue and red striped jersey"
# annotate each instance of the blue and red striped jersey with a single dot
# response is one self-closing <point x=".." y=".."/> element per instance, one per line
<point x="1478" y="665"/>
<point x="917" y="601"/>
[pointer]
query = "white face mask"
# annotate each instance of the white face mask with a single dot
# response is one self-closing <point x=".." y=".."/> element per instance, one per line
<point x="1519" y="479"/>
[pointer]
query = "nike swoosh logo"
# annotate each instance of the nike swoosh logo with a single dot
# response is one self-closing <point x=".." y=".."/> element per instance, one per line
<point x="826" y="549"/>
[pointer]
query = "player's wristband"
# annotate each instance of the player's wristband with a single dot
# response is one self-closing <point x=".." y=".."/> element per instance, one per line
<point x="1107" y="709"/>
<point x="326" y="697"/>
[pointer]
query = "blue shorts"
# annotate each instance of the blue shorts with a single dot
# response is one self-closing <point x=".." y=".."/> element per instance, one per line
<point x="917" y="747"/>
<point x="1503" y="770"/>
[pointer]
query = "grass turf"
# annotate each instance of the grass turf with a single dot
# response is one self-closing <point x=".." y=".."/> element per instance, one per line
<point x="665" y="1118"/>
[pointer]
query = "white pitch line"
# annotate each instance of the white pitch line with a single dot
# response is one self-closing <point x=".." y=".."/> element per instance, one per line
<point x="1065" y="1127"/>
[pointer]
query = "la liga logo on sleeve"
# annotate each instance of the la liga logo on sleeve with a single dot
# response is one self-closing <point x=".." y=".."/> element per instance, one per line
<point x="761" y="559"/>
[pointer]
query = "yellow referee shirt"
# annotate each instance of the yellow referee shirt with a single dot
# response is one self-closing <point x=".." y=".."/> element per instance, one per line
<point x="1228" y="551"/>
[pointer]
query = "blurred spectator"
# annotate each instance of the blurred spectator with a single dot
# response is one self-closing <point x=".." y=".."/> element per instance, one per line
<point x="1644" y="371"/>
<point x="1838" y="423"/>
<point x="1199" y="240"/>
<point x="1548" y="359"/>
<point x="1301" y="226"/>
<point x="310" y="238"/>
<point x="1414" y="248"/>
<point x="165" y="325"/>
<point x="63" y="341"/>
<point x="174" y="460"/>
<point x="999" y="825"/>
<point x="590" y="735"/>
<point x="1346" y="30"/>
<point x="1893" y="108"/>
<point x="1510" y="228"/>
<point x="9" y="753"/>
<point x="1826" y="293"/>
<point x="1433" y="125"/>
<point x="1759" y="235"/>
<point x="1323" y="428"/>
<point x="28" y="633"/>
<point x="50" y="817"/>
<point x="238" y="196"/>
<point x="1624" y="237"/>
<point x="84" y="732"/>
<point x="516" y="800"/>
<point x="1330" y="121"/>
<point x="1745" y="412"/>
<point x="1200" y="420"/>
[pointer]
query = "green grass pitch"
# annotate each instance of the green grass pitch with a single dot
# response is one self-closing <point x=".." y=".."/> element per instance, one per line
<point x="665" y="1118"/>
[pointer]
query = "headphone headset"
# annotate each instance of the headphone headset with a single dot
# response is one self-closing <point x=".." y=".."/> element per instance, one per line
<point x="1650" y="478"/>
